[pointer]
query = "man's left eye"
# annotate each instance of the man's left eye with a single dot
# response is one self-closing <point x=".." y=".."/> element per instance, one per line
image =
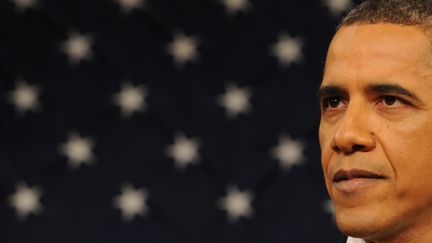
<point x="390" y="100"/>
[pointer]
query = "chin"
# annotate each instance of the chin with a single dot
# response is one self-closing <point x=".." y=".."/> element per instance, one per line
<point x="362" y="223"/>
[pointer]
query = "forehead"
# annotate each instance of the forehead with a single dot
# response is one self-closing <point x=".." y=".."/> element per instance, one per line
<point x="378" y="52"/>
<point x="381" y="38"/>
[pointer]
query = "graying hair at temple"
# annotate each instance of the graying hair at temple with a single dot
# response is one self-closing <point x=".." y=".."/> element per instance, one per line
<point x="403" y="12"/>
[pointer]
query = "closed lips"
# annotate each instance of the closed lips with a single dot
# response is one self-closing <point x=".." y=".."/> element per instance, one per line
<point x="342" y="175"/>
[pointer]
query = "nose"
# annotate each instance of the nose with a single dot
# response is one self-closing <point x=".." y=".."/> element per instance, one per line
<point x="354" y="133"/>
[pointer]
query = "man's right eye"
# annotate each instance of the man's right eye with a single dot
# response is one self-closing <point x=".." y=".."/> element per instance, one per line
<point x="332" y="102"/>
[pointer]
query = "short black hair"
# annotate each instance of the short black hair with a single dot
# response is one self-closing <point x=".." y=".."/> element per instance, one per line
<point x="404" y="12"/>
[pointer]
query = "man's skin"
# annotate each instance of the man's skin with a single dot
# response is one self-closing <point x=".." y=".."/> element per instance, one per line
<point x="376" y="116"/>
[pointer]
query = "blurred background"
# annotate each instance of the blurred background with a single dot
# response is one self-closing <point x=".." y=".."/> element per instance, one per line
<point x="163" y="121"/>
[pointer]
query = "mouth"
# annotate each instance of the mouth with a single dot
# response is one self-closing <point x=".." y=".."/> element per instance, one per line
<point x="354" y="179"/>
<point x="345" y="175"/>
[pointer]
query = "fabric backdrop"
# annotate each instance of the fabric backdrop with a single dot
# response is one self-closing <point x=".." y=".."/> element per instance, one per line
<point x="163" y="121"/>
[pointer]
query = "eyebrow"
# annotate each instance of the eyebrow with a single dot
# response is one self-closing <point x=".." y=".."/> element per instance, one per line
<point x="386" y="88"/>
<point x="330" y="90"/>
<point x="391" y="89"/>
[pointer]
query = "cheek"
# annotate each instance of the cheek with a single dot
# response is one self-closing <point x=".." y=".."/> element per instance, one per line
<point x="413" y="168"/>
<point x="326" y="133"/>
<point x="409" y="149"/>
<point x="325" y="138"/>
<point x="414" y="161"/>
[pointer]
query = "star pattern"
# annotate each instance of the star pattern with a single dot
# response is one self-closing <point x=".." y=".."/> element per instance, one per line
<point x="128" y="6"/>
<point x="78" y="150"/>
<point x="131" y="98"/>
<point x="288" y="152"/>
<point x="187" y="87"/>
<point x="237" y="204"/>
<point x="287" y="49"/>
<point x="25" y="97"/>
<point x="77" y="47"/>
<point x="234" y="6"/>
<point x="337" y="7"/>
<point x="23" y="5"/>
<point x="183" y="49"/>
<point x="235" y="100"/>
<point x="184" y="151"/>
<point x="26" y="200"/>
<point x="131" y="202"/>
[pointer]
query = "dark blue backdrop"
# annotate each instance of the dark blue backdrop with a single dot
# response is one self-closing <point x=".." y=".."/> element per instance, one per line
<point x="163" y="121"/>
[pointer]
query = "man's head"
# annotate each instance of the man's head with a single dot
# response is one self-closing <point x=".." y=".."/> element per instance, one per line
<point x="376" y="121"/>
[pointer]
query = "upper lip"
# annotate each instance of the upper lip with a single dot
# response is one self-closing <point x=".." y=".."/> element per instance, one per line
<point x="342" y="174"/>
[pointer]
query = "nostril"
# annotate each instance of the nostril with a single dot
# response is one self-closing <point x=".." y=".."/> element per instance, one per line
<point x="357" y="147"/>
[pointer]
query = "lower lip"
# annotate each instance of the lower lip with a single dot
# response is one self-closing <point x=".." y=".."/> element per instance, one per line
<point x="353" y="185"/>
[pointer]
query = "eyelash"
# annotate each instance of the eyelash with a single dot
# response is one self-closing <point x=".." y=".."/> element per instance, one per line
<point x="325" y="102"/>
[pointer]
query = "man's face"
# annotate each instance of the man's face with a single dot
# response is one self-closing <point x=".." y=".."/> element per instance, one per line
<point x="376" y="130"/>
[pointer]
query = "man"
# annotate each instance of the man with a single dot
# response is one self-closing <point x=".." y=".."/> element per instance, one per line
<point x="376" y="122"/>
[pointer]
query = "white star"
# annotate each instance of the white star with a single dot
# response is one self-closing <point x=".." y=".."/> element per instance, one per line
<point x="25" y="200"/>
<point x="131" y="202"/>
<point x="128" y="6"/>
<point x="237" y="204"/>
<point x="234" y="6"/>
<point x="288" y="50"/>
<point x="235" y="100"/>
<point x="25" y="97"/>
<point x="337" y="7"/>
<point x="131" y="98"/>
<point x="329" y="208"/>
<point x="77" y="47"/>
<point x="183" y="49"/>
<point x="78" y="150"/>
<point x="184" y="151"/>
<point x="289" y="152"/>
<point x="23" y="5"/>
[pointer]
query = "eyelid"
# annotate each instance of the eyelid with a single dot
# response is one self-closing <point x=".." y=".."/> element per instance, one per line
<point x="398" y="98"/>
<point x="326" y="97"/>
